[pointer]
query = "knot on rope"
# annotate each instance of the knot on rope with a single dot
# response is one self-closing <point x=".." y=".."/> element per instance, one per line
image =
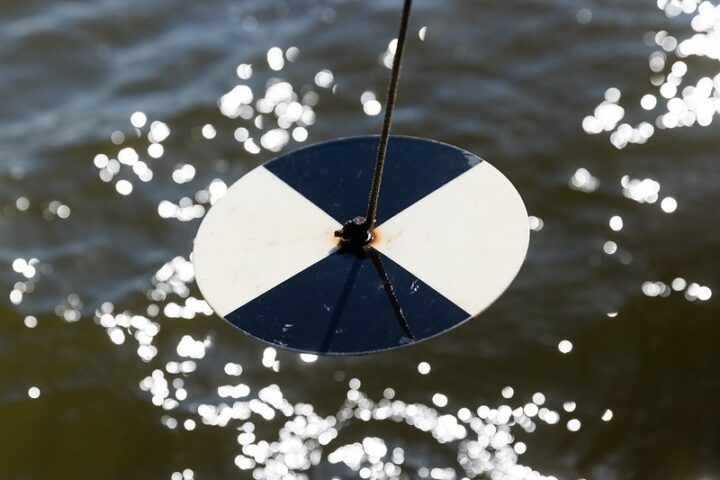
<point x="354" y="234"/>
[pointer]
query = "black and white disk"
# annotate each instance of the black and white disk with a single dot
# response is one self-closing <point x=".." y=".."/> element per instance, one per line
<point x="452" y="233"/>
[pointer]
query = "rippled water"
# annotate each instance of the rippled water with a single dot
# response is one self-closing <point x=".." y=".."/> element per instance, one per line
<point x="121" y="122"/>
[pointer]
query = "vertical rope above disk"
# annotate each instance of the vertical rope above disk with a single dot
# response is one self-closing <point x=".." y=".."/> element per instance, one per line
<point x="389" y="108"/>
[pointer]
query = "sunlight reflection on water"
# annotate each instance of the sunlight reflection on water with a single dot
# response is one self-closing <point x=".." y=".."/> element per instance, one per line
<point x="686" y="103"/>
<point x="192" y="384"/>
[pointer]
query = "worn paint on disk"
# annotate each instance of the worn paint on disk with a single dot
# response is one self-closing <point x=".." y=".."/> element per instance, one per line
<point x="452" y="233"/>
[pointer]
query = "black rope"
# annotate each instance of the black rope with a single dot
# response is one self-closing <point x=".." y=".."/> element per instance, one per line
<point x="390" y="291"/>
<point x="389" y="108"/>
<point x="356" y="233"/>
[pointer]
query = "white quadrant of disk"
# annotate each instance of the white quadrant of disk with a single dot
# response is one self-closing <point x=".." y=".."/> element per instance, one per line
<point x="261" y="233"/>
<point x="467" y="239"/>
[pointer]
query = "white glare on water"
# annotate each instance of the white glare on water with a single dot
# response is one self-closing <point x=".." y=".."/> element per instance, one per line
<point x="584" y="16"/>
<point x="22" y="204"/>
<point x="292" y="54"/>
<point x="573" y="425"/>
<point x="648" y="101"/>
<point x="536" y="223"/>
<point x="308" y="358"/>
<point x="324" y="78"/>
<point x="138" y="119"/>
<point x="565" y="346"/>
<point x="281" y="437"/>
<point x="610" y="247"/>
<point x="244" y="71"/>
<point x="583" y="181"/>
<point x="275" y="58"/>
<point x="422" y="33"/>
<point x="668" y="204"/>
<point x="372" y="107"/>
<point x="440" y="400"/>
<point x="508" y="392"/>
<point x="682" y="103"/>
<point x="124" y="187"/>
<point x="208" y="131"/>
<point x="387" y="57"/>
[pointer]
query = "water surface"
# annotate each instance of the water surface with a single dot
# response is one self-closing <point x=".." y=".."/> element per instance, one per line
<point x="121" y="122"/>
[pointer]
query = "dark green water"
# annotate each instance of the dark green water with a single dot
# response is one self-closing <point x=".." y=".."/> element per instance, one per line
<point x="109" y="366"/>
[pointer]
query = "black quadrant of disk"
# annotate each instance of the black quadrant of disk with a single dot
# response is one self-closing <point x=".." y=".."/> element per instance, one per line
<point x="452" y="233"/>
